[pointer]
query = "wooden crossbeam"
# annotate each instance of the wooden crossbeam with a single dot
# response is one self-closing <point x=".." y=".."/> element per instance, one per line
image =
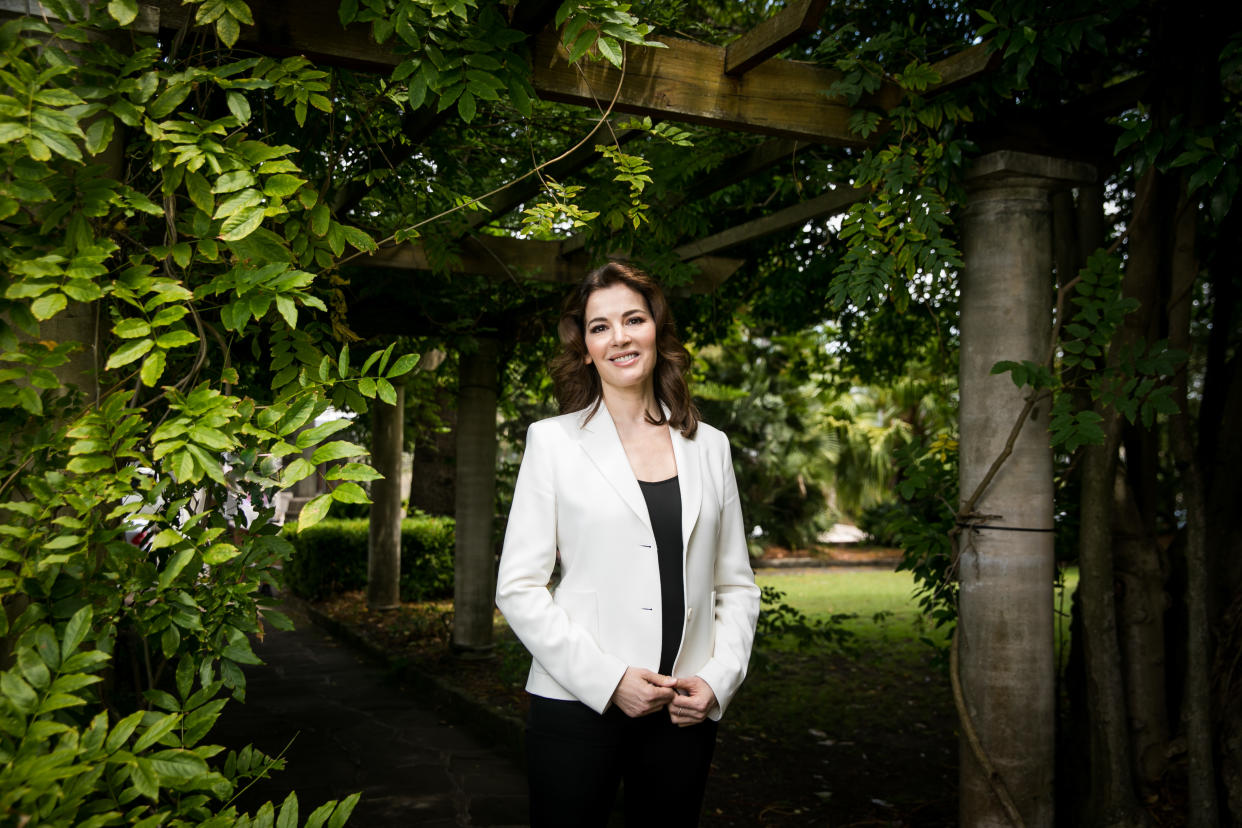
<point x="686" y="82"/>
<point x="830" y="203"/>
<point x="502" y="257"/>
<point x="299" y="27"/>
<point x="739" y="167"/>
<point x="771" y="36"/>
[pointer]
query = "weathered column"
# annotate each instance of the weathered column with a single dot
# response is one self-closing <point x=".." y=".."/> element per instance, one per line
<point x="1005" y="625"/>
<point x="384" y="540"/>
<point x="475" y="564"/>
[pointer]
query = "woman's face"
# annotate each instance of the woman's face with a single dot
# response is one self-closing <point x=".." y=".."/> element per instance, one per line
<point x="620" y="336"/>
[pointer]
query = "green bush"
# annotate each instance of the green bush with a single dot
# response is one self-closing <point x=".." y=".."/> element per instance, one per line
<point x="883" y="522"/>
<point x="331" y="557"/>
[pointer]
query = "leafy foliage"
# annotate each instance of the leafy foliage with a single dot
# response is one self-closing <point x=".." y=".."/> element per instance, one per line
<point x="130" y="581"/>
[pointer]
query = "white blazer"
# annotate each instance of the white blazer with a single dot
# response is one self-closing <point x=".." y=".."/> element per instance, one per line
<point x="577" y="496"/>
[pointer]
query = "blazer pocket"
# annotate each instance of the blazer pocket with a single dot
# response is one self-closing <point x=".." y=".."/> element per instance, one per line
<point x="581" y="607"/>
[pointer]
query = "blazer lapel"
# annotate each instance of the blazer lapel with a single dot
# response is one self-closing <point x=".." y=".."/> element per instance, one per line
<point x="690" y="479"/>
<point x="603" y="446"/>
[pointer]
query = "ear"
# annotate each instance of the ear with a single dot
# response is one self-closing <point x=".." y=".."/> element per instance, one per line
<point x="586" y="359"/>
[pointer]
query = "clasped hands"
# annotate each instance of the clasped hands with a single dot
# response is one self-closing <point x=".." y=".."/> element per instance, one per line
<point x="641" y="692"/>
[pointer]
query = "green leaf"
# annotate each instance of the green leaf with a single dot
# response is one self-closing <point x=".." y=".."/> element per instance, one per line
<point x="386" y="391"/>
<point x="241" y="224"/>
<point x="313" y="512"/>
<point x="174" y="566"/>
<point x="353" y="471"/>
<point x="48" y="305"/>
<point x="239" y="651"/>
<point x="123" y="11"/>
<point x="337" y="450"/>
<point x="18" y="692"/>
<point x="283" y="185"/>
<point x="403" y="366"/>
<point x="239" y="106"/>
<point x="178" y="764"/>
<point x="346" y="807"/>
<point x="200" y="192"/>
<point x="466" y="106"/>
<point x="319" y="217"/>
<point x="128" y="353"/>
<point x="131" y="328"/>
<point x="228" y="30"/>
<point x="610" y="50"/>
<point x="299" y="469"/>
<point x="33" y="668"/>
<point x="176" y="339"/>
<point x="75" y="631"/>
<point x="287" y="310"/>
<point x="122" y="731"/>
<point x="219" y="553"/>
<point x="311" y="436"/>
<point x="231" y="182"/>
<point x="145" y="780"/>
<point x="153" y="368"/>
<point x="349" y="492"/>
<point x="156" y="731"/>
<point x="288" y="817"/>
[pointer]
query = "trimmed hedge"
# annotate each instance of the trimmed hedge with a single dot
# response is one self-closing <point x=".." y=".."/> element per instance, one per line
<point x="331" y="557"/>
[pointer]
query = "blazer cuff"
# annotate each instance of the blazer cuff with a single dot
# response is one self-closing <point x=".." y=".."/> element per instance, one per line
<point x="724" y="683"/>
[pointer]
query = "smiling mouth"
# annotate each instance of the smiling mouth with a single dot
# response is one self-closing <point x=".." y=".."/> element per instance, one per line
<point x="624" y="359"/>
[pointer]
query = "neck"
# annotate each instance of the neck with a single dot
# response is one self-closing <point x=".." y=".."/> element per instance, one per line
<point x="631" y="405"/>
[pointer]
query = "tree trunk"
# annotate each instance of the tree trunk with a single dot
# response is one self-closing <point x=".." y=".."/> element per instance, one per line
<point x="384" y="542"/>
<point x="1138" y="565"/>
<point x="1005" y="624"/>
<point x="1197" y="707"/>
<point x="475" y="559"/>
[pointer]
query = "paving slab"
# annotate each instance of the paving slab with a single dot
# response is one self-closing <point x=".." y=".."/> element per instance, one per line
<point x="350" y="726"/>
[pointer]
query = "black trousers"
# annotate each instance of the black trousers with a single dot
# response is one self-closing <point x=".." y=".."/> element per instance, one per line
<point x="576" y="758"/>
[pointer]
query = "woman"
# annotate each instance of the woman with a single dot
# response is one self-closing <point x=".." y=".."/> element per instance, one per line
<point x="647" y="636"/>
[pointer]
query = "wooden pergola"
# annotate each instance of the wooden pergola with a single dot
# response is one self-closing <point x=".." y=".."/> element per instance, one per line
<point x="744" y="88"/>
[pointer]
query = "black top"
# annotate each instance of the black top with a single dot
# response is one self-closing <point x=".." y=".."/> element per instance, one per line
<point x="664" y="507"/>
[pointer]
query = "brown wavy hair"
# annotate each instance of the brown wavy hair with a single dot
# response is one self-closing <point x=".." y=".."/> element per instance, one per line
<point x="577" y="381"/>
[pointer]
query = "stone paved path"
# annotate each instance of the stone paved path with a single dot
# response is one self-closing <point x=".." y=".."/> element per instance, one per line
<point x="357" y="730"/>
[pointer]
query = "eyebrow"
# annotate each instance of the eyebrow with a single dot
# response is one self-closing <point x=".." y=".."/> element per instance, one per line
<point x="630" y="312"/>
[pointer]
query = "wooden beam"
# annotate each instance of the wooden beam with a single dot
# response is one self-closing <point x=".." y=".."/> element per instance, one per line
<point x="502" y="257"/>
<point x="741" y="166"/>
<point x="299" y="27"/>
<point x="686" y="82"/>
<point x="770" y="37"/>
<point x="830" y="203"/>
<point x="964" y="65"/>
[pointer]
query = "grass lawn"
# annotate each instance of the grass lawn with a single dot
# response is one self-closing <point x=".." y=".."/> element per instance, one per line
<point x="883" y="601"/>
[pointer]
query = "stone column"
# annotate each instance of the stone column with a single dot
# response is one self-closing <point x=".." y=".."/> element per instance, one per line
<point x="475" y="558"/>
<point x="1005" y="624"/>
<point x="384" y="539"/>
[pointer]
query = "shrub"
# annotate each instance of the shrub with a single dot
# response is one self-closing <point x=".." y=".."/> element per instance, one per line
<point x="883" y="522"/>
<point x="331" y="557"/>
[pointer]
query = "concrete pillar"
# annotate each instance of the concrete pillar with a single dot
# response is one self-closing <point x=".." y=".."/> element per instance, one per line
<point x="384" y="540"/>
<point x="475" y="559"/>
<point x="1005" y="624"/>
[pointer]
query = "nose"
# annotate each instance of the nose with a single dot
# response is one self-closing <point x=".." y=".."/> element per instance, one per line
<point x="620" y="335"/>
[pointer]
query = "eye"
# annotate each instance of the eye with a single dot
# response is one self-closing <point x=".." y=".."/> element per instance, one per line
<point x="597" y="329"/>
<point x="635" y="320"/>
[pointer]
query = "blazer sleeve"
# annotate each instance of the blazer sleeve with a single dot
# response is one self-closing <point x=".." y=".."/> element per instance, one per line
<point x="737" y="597"/>
<point x="563" y="648"/>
